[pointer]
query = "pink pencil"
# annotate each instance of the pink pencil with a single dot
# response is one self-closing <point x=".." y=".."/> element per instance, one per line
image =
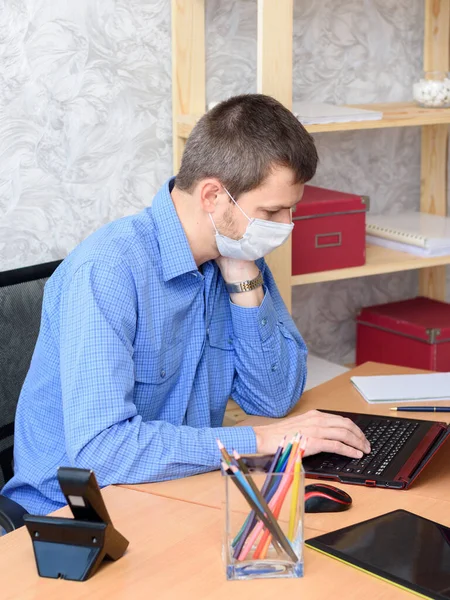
<point x="286" y="480"/>
<point x="264" y="543"/>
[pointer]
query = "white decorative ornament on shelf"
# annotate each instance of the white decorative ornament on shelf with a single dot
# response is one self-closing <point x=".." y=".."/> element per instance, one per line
<point x="433" y="90"/>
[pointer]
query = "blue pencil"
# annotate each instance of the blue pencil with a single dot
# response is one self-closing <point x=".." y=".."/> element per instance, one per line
<point x="278" y="536"/>
<point x="239" y="540"/>
<point x="281" y="467"/>
<point x="244" y="488"/>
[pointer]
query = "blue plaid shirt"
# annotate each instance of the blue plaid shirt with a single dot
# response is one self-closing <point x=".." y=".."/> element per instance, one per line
<point x="137" y="355"/>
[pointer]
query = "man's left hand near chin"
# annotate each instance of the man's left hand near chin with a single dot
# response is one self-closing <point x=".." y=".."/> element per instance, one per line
<point x="234" y="270"/>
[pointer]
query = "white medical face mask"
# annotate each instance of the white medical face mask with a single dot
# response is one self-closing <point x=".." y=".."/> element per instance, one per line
<point x="260" y="238"/>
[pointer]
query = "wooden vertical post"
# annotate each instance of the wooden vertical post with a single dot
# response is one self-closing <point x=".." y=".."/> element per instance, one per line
<point x="188" y="66"/>
<point x="433" y="189"/>
<point x="274" y="78"/>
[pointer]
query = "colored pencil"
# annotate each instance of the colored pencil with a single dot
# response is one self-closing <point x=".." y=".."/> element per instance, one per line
<point x="250" y="522"/>
<point x="224" y="453"/>
<point x="284" y="457"/>
<point x="264" y="543"/>
<point x="258" y="528"/>
<point x="276" y="527"/>
<point x="280" y="468"/>
<point x="276" y="504"/>
<point x="265" y="516"/>
<point x="294" y="497"/>
<point x="245" y="491"/>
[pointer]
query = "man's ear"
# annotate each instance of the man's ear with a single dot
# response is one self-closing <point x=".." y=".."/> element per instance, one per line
<point x="209" y="191"/>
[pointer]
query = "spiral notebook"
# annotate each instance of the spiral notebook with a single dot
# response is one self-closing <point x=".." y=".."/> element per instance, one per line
<point x="415" y="232"/>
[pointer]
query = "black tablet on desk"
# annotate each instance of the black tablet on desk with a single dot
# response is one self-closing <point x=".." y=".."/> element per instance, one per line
<point x="400" y="547"/>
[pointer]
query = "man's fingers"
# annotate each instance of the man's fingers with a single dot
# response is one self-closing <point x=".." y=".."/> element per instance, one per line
<point x="315" y="445"/>
<point x="340" y="434"/>
<point x="317" y="419"/>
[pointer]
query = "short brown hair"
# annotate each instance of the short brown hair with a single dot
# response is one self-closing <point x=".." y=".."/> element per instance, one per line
<point x="241" y="139"/>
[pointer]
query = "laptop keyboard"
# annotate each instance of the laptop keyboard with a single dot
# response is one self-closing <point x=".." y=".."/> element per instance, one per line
<point x="386" y="437"/>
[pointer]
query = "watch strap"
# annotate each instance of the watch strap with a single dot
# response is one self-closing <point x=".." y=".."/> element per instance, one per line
<point x="245" y="286"/>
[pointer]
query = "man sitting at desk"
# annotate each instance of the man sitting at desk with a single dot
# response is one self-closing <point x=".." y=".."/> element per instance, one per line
<point x="154" y="321"/>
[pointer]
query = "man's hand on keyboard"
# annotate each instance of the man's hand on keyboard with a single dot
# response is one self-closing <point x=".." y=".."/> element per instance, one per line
<point x="325" y="433"/>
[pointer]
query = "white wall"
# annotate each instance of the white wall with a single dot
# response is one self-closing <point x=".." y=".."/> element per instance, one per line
<point x="85" y="121"/>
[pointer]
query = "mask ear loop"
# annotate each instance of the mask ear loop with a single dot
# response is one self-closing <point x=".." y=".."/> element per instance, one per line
<point x="245" y="215"/>
<point x="213" y="224"/>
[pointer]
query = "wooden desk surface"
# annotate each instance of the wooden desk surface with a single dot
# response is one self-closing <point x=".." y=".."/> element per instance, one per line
<point x="175" y="552"/>
<point x="337" y="394"/>
<point x="175" y="532"/>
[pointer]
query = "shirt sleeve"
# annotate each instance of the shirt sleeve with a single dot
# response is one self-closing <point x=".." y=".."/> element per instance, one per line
<point x="102" y="429"/>
<point x="270" y="354"/>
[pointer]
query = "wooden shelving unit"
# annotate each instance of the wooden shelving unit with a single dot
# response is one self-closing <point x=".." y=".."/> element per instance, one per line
<point x="395" y="114"/>
<point x="378" y="261"/>
<point x="274" y="77"/>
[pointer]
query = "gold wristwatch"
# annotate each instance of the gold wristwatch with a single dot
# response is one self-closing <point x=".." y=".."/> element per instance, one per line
<point x="245" y="286"/>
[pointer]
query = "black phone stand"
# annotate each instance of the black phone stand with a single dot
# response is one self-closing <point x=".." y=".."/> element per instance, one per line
<point x="74" y="548"/>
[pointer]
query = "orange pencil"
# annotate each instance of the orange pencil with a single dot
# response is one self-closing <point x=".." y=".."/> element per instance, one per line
<point x="264" y="543"/>
<point x="263" y="546"/>
<point x="278" y="499"/>
<point x="259" y="527"/>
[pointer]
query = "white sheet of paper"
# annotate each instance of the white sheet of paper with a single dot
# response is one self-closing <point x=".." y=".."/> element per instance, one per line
<point x="309" y="113"/>
<point x="403" y="388"/>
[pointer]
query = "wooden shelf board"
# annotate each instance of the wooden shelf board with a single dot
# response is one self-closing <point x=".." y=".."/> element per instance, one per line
<point x="378" y="261"/>
<point x="395" y="114"/>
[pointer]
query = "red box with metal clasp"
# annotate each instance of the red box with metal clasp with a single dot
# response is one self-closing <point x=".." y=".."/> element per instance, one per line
<point x="410" y="333"/>
<point x="329" y="231"/>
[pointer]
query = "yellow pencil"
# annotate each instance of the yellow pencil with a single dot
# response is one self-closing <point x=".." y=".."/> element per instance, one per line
<point x="294" y="497"/>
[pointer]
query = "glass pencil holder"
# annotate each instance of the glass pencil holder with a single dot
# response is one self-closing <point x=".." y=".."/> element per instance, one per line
<point x="263" y="545"/>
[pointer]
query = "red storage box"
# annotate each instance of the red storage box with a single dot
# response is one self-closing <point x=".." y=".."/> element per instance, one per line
<point x="411" y="333"/>
<point x="329" y="231"/>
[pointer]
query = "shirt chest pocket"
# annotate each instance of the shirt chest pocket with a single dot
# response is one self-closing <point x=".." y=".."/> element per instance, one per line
<point x="220" y="333"/>
<point x="158" y="367"/>
<point x="220" y="339"/>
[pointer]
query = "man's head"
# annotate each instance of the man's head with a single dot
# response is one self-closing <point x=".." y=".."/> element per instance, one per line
<point x="254" y="148"/>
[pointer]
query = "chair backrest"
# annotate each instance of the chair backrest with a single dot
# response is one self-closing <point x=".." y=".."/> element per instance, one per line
<point x="21" y="292"/>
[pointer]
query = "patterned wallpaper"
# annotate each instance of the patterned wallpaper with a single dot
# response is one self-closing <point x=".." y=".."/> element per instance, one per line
<point x="85" y="119"/>
<point x="85" y="122"/>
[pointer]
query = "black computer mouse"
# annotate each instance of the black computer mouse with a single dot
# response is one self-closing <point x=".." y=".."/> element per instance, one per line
<point x="320" y="497"/>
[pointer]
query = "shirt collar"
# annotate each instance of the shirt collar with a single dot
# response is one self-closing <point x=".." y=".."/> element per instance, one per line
<point x="176" y="254"/>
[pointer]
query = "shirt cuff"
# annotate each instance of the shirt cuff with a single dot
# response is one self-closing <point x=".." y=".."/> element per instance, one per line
<point x="256" y="321"/>
<point x="242" y="439"/>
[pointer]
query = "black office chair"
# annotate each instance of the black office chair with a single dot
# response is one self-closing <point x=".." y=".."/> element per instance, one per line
<point x="21" y="292"/>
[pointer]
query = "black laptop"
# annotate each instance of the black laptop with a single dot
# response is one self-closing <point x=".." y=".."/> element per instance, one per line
<point x="400" y="449"/>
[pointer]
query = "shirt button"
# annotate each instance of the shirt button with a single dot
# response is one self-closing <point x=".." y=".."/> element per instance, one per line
<point x="162" y="373"/>
<point x="264" y="321"/>
<point x="274" y="367"/>
<point x="230" y="341"/>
